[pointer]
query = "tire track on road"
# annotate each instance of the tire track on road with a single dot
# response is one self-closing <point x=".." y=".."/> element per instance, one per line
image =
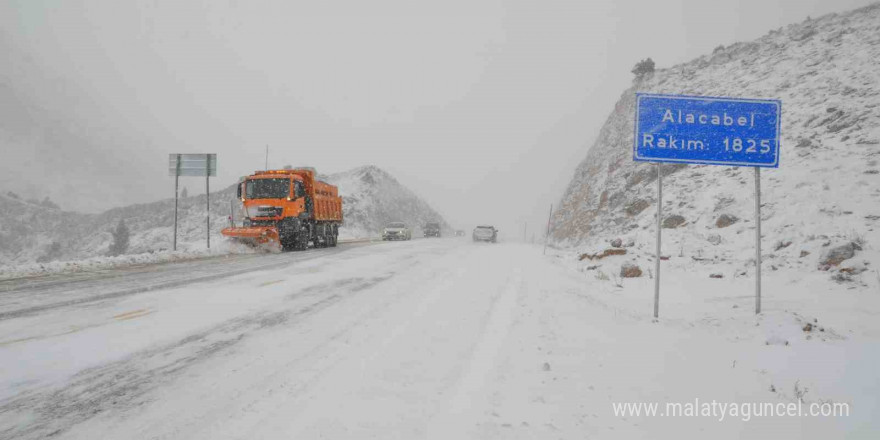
<point x="215" y="272"/>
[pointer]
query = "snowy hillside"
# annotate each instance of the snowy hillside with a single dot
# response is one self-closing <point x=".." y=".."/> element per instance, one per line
<point x="33" y="233"/>
<point x="372" y="198"/>
<point x="825" y="194"/>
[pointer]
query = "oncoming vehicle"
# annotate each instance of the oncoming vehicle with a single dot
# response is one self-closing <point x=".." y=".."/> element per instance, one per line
<point x="396" y="231"/>
<point x="432" y="229"/>
<point x="459" y="233"/>
<point x="485" y="233"/>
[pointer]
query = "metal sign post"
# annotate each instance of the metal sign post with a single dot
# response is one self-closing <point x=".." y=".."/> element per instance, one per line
<point x="709" y="131"/>
<point x="176" y="185"/>
<point x="757" y="240"/>
<point x="193" y="165"/>
<point x="208" y="202"/>
<point x="657" y="255"/>
<point x="547" y="237"/>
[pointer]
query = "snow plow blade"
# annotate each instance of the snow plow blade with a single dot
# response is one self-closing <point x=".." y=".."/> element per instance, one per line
<point x="252" y="234"/>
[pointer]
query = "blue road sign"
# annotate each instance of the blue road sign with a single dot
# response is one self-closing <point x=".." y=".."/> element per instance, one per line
<point x="707" y="130"/>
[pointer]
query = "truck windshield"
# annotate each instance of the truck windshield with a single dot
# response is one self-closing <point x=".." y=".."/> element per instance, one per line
<point x="267" y="188"/>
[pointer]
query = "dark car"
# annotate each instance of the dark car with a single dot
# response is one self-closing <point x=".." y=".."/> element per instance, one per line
<point x="485" y="233"/>
<point x="432" y="230"/>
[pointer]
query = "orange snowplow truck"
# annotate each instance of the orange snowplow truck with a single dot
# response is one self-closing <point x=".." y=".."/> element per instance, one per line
<point x="289" y="207"/>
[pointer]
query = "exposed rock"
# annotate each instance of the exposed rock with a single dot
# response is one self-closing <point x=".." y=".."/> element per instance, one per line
<point x="804" y="253"/>
<point x="725" y="220"/>
<point x="782" y="245"/>
<point x="714" y="239"/>
<point x="804" y="34"/>
<point x="803" y="143"/>
<point x="855" y="270"/>
<point x="617" y="243"/>
<point x="842" y="277"/>
<point x="630" y="270"/>
<point x="673" y="221"/>
<point x="603" y="254"/>
<point x="837" y="254"/>
<point x="637" y="206"/>
<point x="716" y="275"/>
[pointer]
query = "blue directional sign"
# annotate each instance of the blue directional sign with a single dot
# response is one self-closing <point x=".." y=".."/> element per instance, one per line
<point x="707" y="130"/>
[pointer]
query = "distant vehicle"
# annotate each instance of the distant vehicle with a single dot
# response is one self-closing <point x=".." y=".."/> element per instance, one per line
<point x="485" y="233"/>
<point x="432" y="229"/>
<point x="396" y="231"/>
<point x="459" y="233"/>
<point x="291" y="207"/>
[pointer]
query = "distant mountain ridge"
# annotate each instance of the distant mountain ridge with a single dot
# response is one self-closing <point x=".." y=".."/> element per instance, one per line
<point x="32" y="232"/>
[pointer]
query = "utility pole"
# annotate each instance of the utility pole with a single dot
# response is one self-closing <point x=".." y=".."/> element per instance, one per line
<point x="547" y="237"/>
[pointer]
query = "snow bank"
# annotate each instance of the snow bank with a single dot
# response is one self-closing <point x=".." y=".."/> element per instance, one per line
<point x="187" y="251"/>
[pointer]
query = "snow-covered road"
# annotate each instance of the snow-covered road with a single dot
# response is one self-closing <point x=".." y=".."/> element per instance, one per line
<point x="28" y="295"/>
<point x="437" y="339"/>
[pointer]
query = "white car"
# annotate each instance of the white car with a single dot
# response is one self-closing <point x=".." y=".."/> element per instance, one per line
<point x="485" y="233"/>
<point x="396" y="231"/>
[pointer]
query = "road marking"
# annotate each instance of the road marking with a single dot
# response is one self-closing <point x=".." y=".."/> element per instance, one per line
<point x="73" y="329"/>
<point x="269" y="283"/>
<point x="133" y="314"/>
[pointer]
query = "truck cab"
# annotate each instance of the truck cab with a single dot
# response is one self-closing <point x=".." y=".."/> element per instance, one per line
<point x="268" y="199"/>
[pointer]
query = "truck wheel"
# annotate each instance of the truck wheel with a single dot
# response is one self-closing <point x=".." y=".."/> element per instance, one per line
<point x="301" y="241"/>
<point x="287" y="245"/>
<point x="286" y="235"/>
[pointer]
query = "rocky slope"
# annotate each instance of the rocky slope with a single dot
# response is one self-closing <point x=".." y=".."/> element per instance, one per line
<point x="372" y="198"/>
<point x="825" y="193"/>
<point x="33" y="232"/>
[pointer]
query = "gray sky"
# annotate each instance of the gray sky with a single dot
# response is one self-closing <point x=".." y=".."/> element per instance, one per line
<point x="482" y="107"/>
